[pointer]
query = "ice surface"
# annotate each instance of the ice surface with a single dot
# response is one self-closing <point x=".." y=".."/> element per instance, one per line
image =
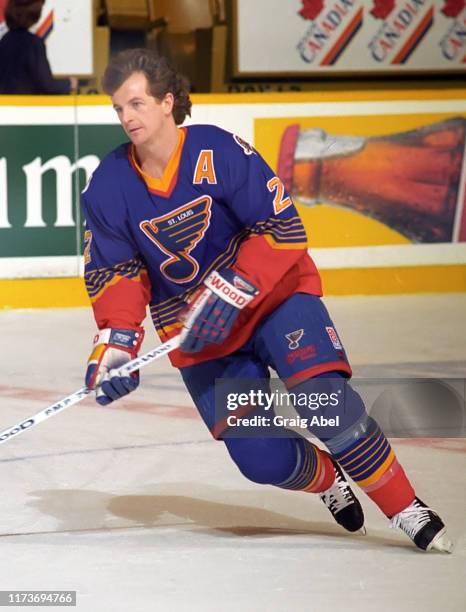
<point x="136" y="508"/>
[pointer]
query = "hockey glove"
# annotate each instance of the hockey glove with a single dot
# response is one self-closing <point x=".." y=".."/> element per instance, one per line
<point x="213" y="309"/>
<point x="112" y="349"/>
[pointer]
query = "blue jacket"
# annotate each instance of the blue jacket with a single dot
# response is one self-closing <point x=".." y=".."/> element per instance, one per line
<point x="24" y="67"/>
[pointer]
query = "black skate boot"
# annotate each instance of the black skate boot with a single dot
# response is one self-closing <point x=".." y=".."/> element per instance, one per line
<point x="342" y="503"/>
<point x="425" y="528"/>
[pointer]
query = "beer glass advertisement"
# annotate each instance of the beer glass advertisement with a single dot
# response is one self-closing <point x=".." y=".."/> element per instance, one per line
<point x="349" y="36"/>
<point x="360" y="181"/>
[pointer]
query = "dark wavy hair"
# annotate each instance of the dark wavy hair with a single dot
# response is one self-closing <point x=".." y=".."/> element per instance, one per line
<point x="161" y="77"/>
<point x="23" y="13"/>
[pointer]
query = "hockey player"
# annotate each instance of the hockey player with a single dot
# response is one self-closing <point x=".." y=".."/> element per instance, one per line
<point x="194" y="223"/>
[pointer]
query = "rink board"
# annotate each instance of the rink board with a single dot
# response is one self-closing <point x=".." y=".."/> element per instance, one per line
<point x="50" y="146"/>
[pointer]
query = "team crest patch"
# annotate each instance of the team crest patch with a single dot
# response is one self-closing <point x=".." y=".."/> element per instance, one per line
<point x="334" y="338"/>
<point x="176" y="234"/>
<point x="294" y="338"/>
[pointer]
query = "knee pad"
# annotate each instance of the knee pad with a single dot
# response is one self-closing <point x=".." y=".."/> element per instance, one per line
<point x="264" y="460"/>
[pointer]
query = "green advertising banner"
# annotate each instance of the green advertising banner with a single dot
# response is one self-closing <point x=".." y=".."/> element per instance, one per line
<point x="43" y="169"/>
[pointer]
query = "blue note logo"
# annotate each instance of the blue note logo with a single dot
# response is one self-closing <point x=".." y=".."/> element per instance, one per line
<point x="294" y="338"/>
<point x="176" y="234"/>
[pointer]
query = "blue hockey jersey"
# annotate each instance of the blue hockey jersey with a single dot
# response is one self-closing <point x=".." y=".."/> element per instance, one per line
<point x="154" y="241"/>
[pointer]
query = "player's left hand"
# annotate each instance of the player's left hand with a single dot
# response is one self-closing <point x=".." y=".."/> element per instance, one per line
<point x="112" y="349"/>
<point x="213" y="309"/>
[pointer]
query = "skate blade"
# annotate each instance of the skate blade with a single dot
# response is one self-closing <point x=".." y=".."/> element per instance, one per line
<point x="362" y="531"/>
<point x="441" y="543"/>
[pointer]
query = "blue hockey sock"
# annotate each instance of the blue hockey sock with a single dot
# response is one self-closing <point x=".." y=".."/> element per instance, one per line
<point x="289" y="463"/>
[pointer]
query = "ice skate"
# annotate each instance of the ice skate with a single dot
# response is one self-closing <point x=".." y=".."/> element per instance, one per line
<point x="343" y="504"/>
<point x="425" y="528"/>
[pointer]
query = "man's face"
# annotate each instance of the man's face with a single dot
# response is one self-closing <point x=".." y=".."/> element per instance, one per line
<point x="141" y="115"/>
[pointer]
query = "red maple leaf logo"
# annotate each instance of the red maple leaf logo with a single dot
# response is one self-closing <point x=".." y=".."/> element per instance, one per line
<point x="453" y="8"/>
<point x="311" y="8"/>
<point x="382" y="8"/>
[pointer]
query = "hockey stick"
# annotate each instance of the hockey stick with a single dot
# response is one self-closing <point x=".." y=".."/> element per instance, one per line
<point x="79" y="395"/>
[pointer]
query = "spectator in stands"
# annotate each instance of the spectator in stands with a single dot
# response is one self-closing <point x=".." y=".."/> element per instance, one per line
<point x="24" y="67"/>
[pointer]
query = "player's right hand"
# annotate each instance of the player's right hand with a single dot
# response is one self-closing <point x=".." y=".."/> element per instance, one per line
<point x="214" y="309"/>
<point x="112" y="349"/>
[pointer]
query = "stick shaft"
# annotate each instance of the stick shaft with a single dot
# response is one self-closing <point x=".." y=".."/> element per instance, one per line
<point x="77" y="396"/>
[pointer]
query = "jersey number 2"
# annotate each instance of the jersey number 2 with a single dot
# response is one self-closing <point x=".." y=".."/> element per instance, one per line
<point x="87" y="246"/>
<point x="279" y="202"/>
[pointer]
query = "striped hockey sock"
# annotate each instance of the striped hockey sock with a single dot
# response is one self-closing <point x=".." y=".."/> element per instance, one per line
<point x="313" y="472"/>
<point x="368" y="458"/>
